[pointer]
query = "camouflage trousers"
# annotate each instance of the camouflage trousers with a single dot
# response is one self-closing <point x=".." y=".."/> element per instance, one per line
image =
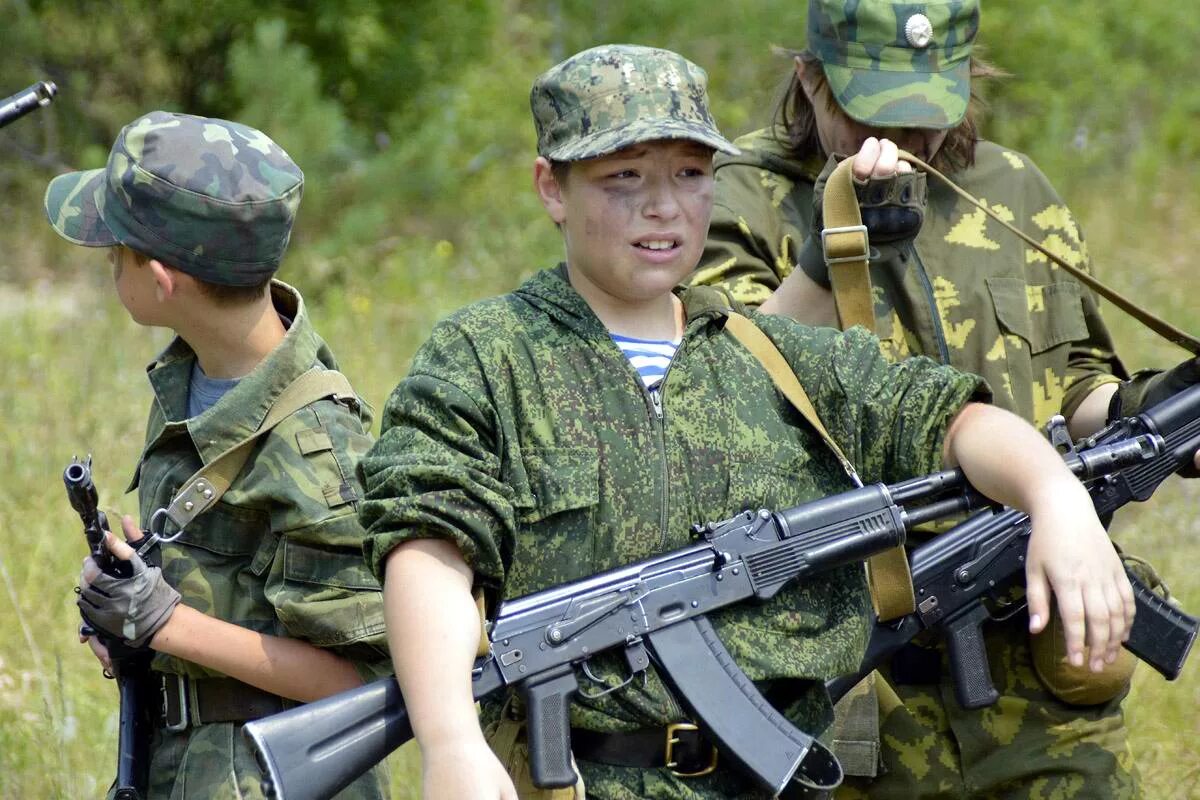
<point x="215" y="762"/>
<point x="1029" y="746"/>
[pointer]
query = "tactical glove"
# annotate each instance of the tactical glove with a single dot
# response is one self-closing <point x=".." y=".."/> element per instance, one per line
<point x="131" y="609"/>
<point x="892" y="209"/>
<point x="1148" y="387"/>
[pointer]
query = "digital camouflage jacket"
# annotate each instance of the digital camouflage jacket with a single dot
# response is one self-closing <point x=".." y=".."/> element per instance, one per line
<point x="281" y="553"/>
<point x="524" y="435"/>
<point x="965" y="293"/>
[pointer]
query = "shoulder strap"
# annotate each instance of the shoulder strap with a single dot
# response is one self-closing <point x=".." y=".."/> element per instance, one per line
<point x="201" y="491"/>
<point x="887" y="572"/>
<point x="768" y="355"/>
<point x="844" y="241"/>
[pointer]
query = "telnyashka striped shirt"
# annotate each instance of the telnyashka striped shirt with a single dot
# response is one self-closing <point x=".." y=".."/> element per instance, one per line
<point x="650" y="357"/>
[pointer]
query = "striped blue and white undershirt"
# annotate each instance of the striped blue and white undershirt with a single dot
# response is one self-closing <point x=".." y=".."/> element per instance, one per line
<point x="650" y="357"/>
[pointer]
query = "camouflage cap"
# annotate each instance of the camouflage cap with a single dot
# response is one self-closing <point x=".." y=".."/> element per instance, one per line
<point x="609" y="97"/>
<point x="213" y="198"/>
<point x="896" y="64"/>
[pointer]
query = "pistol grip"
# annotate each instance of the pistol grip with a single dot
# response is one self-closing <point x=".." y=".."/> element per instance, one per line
<point x="547" y="706"/>
<point x="968" y="659"/>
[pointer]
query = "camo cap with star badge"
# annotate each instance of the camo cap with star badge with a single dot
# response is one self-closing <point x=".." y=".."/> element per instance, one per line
<point x="213" y="198"/>
<point x="894" y="64"/>
<point x="609" y="97"/>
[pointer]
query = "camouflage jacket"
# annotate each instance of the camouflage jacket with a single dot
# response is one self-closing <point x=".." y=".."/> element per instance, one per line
<point x="965" y="292"/>
<point x="281" y="553"/>
<point x="524" y="435"/>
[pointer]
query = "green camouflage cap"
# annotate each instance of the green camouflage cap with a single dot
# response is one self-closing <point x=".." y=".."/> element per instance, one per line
<point x="896" y="64"/>
<point x="609" y="97"/>
<point x="212" y="198"/>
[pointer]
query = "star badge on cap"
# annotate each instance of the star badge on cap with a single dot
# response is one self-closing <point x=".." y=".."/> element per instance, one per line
<point x="918" y="31"/>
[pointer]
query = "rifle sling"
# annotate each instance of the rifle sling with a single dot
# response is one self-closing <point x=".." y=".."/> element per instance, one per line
<point x="202" y="491"/>
<point x="887" y="572"/>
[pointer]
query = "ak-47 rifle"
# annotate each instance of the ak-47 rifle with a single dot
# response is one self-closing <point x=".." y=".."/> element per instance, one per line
<point x="130" y="666"/>
<point x="651" y="610"/>
<point x="959" y="572"/>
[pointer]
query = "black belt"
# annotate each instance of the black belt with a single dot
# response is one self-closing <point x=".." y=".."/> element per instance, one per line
<point x="198" y="701"/>
<point x="679" y="747"/>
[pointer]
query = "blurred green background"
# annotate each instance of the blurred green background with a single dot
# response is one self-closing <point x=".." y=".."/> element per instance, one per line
<point x="411" y="123"/>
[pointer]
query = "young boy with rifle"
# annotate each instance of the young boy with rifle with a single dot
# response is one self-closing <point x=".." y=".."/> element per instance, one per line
<point x="261" y="600"/>
<point x="587" y="419"/>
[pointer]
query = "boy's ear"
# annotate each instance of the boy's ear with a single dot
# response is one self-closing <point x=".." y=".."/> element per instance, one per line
<point x="549" y="190"/>
<point x="166" y="280"/>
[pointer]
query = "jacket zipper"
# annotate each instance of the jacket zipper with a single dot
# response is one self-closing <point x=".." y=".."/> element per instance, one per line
<point x="657" y="418"/>
<point x="660" y="428"/>
<point x="935" y="315"/>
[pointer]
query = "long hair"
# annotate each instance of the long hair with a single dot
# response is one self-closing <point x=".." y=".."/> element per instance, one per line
<point x="796" y="119"/>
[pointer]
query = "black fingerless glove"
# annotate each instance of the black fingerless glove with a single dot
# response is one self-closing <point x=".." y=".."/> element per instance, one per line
<point x="1149" y="387"/>
<point x="892" y="210"/>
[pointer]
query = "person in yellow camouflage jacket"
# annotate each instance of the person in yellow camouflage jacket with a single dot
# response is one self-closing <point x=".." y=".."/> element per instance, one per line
<point x="948" y="283"/>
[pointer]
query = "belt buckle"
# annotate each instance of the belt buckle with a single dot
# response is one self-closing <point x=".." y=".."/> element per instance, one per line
<point x="181" y="691"/>
<point x="673" y="739"/>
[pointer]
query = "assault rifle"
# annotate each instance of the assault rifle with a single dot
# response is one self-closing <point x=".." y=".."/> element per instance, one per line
<point x="18" y="105"/>
<point x="651" y="610"/>
<point x="957" y="574"/>
<point x="130" y="666"/>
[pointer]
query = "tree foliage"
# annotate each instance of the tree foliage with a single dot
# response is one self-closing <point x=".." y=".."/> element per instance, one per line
<point x="411" y="119"/>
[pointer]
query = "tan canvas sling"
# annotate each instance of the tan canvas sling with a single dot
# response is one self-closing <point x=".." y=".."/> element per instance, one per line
<point x="202" y="491"/>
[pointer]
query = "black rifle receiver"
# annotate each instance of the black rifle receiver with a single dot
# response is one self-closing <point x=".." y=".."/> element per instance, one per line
<point x="30" y="99"/>
<point x="958" y="572"/>
<point x="654" y="609"/>
<point x="130" y="667"/>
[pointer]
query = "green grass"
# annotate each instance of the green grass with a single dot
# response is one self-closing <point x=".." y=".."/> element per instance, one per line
<point x="73" y="383"/>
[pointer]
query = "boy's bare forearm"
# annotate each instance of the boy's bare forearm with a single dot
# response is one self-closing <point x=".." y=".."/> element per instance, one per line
<point x="287" y="667"/>
<point x="1007" y="459"/>
<point x="433" y="632"/>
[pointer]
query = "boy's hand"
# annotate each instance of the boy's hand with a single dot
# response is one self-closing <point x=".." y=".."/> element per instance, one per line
<point x="1071" y="555"/>
<point x="131" y="609"/>
<point x="879" y="158"/>
<point x="464" y="769"/>
<point x="98" y="650"/>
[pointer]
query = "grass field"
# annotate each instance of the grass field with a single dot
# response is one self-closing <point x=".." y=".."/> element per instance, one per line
<point x="73" y="383"/>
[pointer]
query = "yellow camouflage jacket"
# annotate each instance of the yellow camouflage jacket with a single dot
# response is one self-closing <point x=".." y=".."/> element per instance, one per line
<point x="965" y="292"/>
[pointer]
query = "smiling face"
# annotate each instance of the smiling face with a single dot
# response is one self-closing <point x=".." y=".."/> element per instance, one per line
<point x="634" y="222"/>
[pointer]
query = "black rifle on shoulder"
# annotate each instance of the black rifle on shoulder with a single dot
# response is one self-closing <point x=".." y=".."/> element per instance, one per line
<point x="130" y="666"/>
<point x="958" y="574"/>
<point x="26" y="100"/>
<point x="651" y="610"/>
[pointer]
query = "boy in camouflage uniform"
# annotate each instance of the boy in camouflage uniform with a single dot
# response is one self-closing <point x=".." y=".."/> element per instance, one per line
<point x="525" y="448"/>
<point x="956" y="288"/>
<point x="263" y="600"/>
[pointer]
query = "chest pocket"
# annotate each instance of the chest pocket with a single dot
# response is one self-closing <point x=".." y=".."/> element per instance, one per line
<point x="773" y="479"/>
<point x="1027" y="366"/>
<point x="556" y="539"/>
<point x="1044" y="316"/>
